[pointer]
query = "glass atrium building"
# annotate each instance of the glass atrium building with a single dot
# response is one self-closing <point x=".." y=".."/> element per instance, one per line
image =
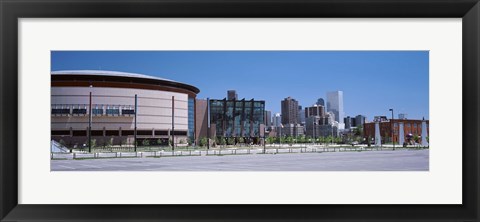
<point x="238" y="118"/>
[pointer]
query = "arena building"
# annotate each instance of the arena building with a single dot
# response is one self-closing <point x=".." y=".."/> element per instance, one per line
<point x="113" y="112"/>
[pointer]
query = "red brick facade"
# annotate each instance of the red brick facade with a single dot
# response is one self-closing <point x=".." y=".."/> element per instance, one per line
<point x="409" y="126"/>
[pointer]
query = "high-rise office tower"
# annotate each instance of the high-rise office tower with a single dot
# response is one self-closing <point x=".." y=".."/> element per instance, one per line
<point x="320" y="102"/>
<point x="268" y="118"/>
<point x="276" y="120"/>
<point x="232" y="95"/>
<point x="300" y="116"/>
<point x="348" y="122"/>
<point x="315" y="110"/>
<point x="360" y="120"/>
<point x="289" y="111"/>
<point x="335" y="105"/>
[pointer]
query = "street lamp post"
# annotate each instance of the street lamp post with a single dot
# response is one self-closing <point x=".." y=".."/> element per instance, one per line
<point x="208" y="123"/>
<point x="173" y="124"/>
<point x="391" y="127"/>
<point x="332" y="135"/>
<point x="90" y="123"/>
<point x="135" y="126"/>
<point x="264" y="134"/>
<point x="281" y="127"/>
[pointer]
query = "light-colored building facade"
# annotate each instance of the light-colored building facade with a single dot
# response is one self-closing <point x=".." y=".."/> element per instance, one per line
<point x="402" y="116"/>
<point x="277" y="120"/>
<point x="293" y="130"/>
<point x="112" y="109"/>
<point x="335" y="105"/>
<point x="300" y="116"/>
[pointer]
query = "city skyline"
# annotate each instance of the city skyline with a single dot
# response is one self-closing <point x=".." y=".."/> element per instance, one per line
<point x="372" y="81"/>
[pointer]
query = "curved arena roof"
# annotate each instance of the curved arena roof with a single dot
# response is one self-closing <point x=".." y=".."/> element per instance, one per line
<point x="115" y="76"/>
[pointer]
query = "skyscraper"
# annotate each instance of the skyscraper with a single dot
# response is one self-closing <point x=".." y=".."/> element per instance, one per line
<point x="360" y="120"/>
<point x="276" y="120"/>
<point x="335" y="105"/>
<point x="300" y="116"/>
<point x="320" y="102"/>
<point x="315" y="110"/>
<point x="348" y="122"/>
<point x="268" y="118"/>
<point x="232" y="95"/>
<point x="289" y="111"/>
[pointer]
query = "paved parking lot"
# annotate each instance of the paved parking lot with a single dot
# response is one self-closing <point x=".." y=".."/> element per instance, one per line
<point x="399" y="160"/>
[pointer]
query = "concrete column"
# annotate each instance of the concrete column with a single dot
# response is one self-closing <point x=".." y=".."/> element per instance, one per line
<point x="378" y="138"/>
<point x="401" y="136"/>
<point x="424" y="134"/>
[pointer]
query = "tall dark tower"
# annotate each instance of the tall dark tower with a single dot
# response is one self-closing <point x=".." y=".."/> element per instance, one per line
<point x="232" y="95"/>
<point x="321" y="102"/>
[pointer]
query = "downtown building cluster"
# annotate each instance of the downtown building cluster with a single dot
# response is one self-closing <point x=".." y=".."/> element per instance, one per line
<point x="321" y="119"/>
<point x="327" y="119"/>
<point x="118" y="108"/>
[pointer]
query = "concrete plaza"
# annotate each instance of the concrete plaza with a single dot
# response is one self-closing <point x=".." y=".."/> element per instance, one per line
<point x="381" y="160"/>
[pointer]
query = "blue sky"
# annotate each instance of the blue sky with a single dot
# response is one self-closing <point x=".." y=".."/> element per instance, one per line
<point x="372" y="81"/>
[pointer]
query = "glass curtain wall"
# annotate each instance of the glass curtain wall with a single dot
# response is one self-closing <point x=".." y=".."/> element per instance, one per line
<point x="237" y="118"/>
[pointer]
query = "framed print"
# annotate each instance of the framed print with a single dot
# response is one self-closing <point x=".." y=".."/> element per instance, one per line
<point x="225" y="110"/>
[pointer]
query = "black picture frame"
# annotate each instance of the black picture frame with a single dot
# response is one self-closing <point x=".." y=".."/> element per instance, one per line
<point x="11" y="11"/>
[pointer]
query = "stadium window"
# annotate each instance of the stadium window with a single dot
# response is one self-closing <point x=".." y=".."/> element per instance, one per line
<point x="113" y="111"/>
<point x="97" y="111"/>
<point x="79" y="110"/>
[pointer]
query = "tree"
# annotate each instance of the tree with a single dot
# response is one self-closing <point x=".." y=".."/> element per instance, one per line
<point x="338" y="139"/>
<point x="329" y="139"/>
<point x="61" y="142"/>
<point x="231" y="141"/>
<point x="241" y="140"/>
<point x="270" y="140"/>
<point x="145" y="142"/>
<point x="323" y="139"/>
<point x="93" y="141"/>
<point x="159" y="141"/>
<point x="358" y="131"/>
<point x="123" y="142"/>
<point x="358" y="139"/>
<point x="283" y="139"/>
<point x="301" y="139"/>
<point x="289" y="139"/>
<point x="416" y="138"/>
<point x="387" y="138"/>
<point x="307" y="139"/>
<point x="110" y="142"/>
<point x="220" y="140"/>
<point x="203" y="141"/>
